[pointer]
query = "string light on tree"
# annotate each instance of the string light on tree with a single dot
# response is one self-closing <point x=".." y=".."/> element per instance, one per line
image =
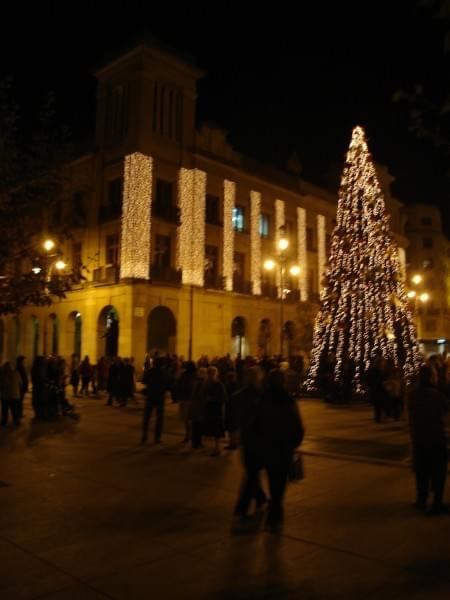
<point x="229" y="194"/>
<point x="301" y="252"/>
<point x="255" y="241"/>
<point x="365" y="308"/>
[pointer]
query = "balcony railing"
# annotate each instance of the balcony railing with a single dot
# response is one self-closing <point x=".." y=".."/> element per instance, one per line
<point x="108" y="274"/>
<point x="164" y="274"/>
<point x="242" y="286"/>
<point x="269" y="290"/>
<point x="213" y="281"/>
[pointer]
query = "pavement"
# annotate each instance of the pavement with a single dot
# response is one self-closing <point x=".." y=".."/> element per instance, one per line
<point x="88" y="513"/>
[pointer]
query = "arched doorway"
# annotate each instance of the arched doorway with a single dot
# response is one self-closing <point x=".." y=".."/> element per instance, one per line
<point x="51" y="338"/>
<point x="264" y="337"/>
<point x="289" y="337"/>
<point x="161" y="330"/>
<point x="108" y="332"/>
<point x="238" y="340"/>
<point x="74" y="332"/>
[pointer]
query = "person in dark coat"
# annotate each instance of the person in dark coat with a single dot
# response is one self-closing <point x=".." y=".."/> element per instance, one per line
<point x="375" y="379"/>
<point x="182" y="394"/>
<point x="427" y="407"/>
<point x="74" y="373"/>
<point x="248" y="401"/>
<point x="86" y="375"/>
<point x="38" y="380"/>
<point x="215" y="398"/>
<point x="21" y="369"/>
<point x="281" y="432"/>
<point x="196" y="410"/>
<point x="156" y="386"/>
<point x="231" y="410"/>
<point x="114" y="381"/>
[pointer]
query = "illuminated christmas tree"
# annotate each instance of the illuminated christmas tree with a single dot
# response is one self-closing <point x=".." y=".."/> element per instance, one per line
<point x="364" y="308"/>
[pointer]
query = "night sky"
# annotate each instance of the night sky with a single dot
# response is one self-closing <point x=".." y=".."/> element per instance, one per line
<point x="279" y="81"/>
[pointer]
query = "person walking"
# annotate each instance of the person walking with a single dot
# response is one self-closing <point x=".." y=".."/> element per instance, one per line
<point x="231" y="410"/>
<point x="74" y="373"/>
<point x="248" y="402"/>
<point x="182" y="394"/>
<point x="196" y="411"/>
<point x="10" y="394"/>
<point x="24" y="382"/>
<point x="281" y="431"/>
<point x="215" y="398"/>
<point x="375" y="379"/>
<point x="113" y="385"/>
<point x="86" y="375"/>
<point x="156" y="387"/>
<point x="426" y="408"/>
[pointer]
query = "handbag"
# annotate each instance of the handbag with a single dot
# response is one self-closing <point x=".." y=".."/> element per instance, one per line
<point x="296" y="469"/>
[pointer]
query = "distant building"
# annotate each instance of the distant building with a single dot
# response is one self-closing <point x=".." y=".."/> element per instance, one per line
<point x="428" y="255"/>
<point x="174" y="226"/>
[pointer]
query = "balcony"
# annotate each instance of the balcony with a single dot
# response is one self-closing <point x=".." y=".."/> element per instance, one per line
<point x="213" y="281"/>
<point x="269" y="290"/>
<point x="165" y="274"/>
<point x="241" y="286"/>
<point x="106" y="275"/>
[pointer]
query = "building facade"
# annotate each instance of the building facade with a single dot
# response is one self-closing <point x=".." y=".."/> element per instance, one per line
<point x="428" y="256"/>
<point x="174" y="227"/>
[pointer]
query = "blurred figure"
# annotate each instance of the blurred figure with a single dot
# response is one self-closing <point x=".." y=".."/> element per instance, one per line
<point x="215" y="398"/>
<point x="182" y="393"/>
<point x="156" y="388"/>
<point x="75" y="373"/>
<point x="197" y="408"/>
<point x="375" y="379"/>
<point x="38" y="381"/>
<point x="24" y="383"/>
<point x="231" y="410"/>
<point x="114" y="374"/>
<point x="281" y="432"/>
<point x="10" y="394"/>
<point x="427" y="407"/>
<point x="86" y="375"/>
<point x="248" y="400"/>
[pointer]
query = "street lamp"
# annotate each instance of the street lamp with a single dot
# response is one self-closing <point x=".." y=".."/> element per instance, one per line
<point x="48" y="245"/>
<point x="270" y="265"/>
<point x="417" y="296"/>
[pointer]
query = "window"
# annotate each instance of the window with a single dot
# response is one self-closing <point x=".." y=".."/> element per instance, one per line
<point x="239" y="218"/>
<point x="112" y="249"/>
<point x="426" y="221"/>
<point x="162" y="251"/>
<point x="239" y="266"/>
<point x="78" y="209"/>
<point x="112" y="208"/>
<point x="264" y="225"/>
<point x="163" y="204"/>
<point x="117" y="112"/>
<point x="77" y="259"/>
<point x="211" y="264"/>
<point x="427" y="242"/>
<point x="310" y="238"/>
<point x="289" y="229"/>
<point x="212" y="209"/>
<point x="312" y="281"/>
<point x="428" y="263"/>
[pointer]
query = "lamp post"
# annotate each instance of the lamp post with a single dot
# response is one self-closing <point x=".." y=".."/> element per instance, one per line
<point x="269" y="265"/>
<point x="52" y="261"/>
<point x="418" y="296"/>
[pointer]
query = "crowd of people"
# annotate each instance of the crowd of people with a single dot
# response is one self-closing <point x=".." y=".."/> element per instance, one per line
<point x="249" y="402"/>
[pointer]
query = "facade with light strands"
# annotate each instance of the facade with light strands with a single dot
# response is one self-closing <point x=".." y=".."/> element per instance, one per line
<point x="174" y="227"/>
<point x="428" y="258"/>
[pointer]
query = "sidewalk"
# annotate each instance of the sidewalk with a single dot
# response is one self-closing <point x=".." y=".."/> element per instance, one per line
<point x="87" y="513"/>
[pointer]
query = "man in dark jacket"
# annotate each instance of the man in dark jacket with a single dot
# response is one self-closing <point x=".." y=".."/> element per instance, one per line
<point x="156" y="387"/>
<point x="281" y="432"/>
<point x="247" y="402"/>
<point x="427" y="407"/>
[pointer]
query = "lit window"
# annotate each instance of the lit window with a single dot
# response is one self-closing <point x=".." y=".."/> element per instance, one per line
<point x="239" y="218"/>
<point x="264" y="225"/>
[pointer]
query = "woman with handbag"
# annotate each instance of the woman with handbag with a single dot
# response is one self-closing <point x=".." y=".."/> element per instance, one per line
<point x="281" y="432"/>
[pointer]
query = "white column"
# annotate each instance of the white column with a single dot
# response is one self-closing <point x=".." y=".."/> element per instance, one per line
<point x="279" y="222"/>
<point x="135" y="253"/>
<point x="255" y="242"/>
<point x="191" y="233"/>
<point x="321" y="250"/>
<point x="302" y="254"/>
<point x="229" y="195"/>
